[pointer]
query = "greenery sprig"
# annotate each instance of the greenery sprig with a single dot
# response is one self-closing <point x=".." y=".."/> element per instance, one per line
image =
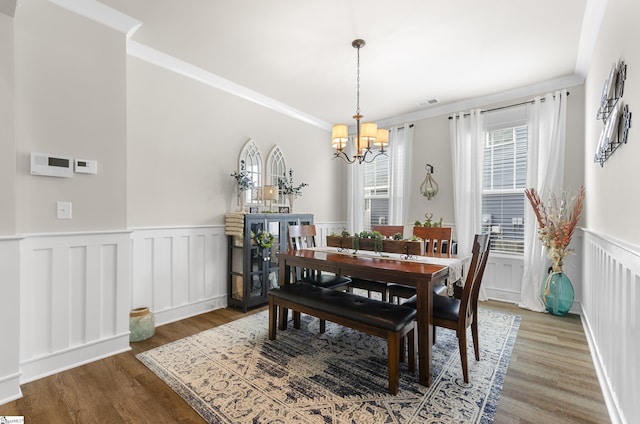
<point x="242" y="178"/>
<point x="286" y="186"/>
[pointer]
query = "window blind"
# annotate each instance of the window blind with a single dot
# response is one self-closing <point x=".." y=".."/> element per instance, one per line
<point x="376" y="192"/>
<point x="504" y="180"/>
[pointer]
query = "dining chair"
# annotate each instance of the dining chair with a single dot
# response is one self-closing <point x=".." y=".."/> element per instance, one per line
<point x="435" y="239"/>
<point x="459" y="314"/>
<point x="303" y="237"/>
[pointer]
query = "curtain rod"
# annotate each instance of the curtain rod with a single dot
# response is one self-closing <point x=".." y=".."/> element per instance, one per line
<point x="506" y="107"/>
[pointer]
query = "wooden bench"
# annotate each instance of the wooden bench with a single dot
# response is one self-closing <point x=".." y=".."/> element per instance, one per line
<point x="382" y="319"/>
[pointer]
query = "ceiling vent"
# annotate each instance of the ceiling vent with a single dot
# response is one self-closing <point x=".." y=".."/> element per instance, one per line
<point x="428" y="102"/>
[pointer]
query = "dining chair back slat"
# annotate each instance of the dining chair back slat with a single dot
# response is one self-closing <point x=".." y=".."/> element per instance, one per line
<point x="302" y="236"/>
<point x="436" y="239"/>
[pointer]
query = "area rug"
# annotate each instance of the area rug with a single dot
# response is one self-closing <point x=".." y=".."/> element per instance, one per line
<point x="234" y="374"/>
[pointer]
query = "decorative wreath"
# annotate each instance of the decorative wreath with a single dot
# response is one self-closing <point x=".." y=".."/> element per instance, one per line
<point x="264" y="239"/>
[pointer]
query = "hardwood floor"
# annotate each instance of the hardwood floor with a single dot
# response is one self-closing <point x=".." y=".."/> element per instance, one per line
<point x="551" y="379"/>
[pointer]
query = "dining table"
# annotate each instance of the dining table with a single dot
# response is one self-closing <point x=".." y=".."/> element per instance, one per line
<point x="419" y="272"/>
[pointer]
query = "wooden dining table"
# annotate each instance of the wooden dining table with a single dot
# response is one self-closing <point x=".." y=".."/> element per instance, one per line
<point x="421" y="275"/>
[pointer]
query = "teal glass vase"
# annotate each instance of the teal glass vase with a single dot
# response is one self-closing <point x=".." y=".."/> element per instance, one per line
<point x="557" y="292"/>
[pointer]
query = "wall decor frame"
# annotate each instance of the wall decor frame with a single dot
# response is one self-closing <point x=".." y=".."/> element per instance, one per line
<point x="614" y="114"/>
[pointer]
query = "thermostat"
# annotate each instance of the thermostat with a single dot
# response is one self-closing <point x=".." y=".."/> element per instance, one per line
<point x="86" y="166"/>
<point x="51" y="165"/>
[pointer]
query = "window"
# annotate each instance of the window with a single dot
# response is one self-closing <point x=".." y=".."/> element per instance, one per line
<point x="376" y="192"/>
<point x="504" y="179"/>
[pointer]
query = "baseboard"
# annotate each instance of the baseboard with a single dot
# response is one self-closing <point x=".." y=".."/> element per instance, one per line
<point x="44" y="366"/>
<point x="10" y="388"/>
<point x="181" y="312"/>
<point x="501" y="295"/>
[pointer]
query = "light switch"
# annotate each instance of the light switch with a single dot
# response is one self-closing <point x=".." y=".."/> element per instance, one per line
<point x="63" y="210"/>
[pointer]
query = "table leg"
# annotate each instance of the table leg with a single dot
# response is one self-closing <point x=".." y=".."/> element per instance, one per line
<point x="284" y="277"/>
<point x="425" y="331"/>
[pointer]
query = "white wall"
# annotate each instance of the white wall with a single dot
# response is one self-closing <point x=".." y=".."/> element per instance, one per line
<point x="7" y="144"/>
<point x="611" y="265"/>
<point x="611" y="202"/>
<point x="70" y="100"/>
<point x="184" y="139"/>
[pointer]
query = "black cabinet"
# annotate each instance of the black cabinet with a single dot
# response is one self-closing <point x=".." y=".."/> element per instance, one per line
<point x="252" y="269"/>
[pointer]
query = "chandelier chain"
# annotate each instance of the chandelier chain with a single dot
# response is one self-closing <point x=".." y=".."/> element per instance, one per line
<point x="358" y="83"/>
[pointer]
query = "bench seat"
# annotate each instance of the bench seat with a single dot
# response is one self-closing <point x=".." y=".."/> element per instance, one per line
<point x="382" y="319"/>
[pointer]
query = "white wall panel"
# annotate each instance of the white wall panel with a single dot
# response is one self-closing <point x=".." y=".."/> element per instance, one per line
<point x="179" y="272"/>
<point x="611" y="313"/>
<point x="74" y="300"/>
<point x="10" y="319"/>
<point x="325" y="229"/>
<point x="503" y="277"/>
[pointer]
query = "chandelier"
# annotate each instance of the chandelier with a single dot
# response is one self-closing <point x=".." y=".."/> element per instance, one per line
<point x="370" y="141"/>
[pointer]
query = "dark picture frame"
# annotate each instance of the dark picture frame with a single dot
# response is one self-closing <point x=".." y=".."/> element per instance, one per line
<point x="283" y="209"/>
<point x="254" y="209"/>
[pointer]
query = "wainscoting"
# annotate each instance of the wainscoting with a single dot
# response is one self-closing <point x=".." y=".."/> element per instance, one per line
<point x="69" y="295"/>
<point x="74" y="300"/>
<point x="503" y="277"/>
<point x="179" y="272"/>
<point x="611" y="316"/>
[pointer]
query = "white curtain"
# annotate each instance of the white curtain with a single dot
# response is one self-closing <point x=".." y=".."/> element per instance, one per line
<point x="545" y="173"/>
<point x="467" y="151"/>
<point x="400" y="148"/>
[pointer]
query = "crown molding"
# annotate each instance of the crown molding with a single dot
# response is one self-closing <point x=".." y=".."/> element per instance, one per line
<point x="101" y="13"/>
<point x="178" y="66"/>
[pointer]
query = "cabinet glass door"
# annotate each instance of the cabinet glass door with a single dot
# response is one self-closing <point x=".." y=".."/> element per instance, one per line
<point x="274" y="226"/>
<point x="258" y="258"/>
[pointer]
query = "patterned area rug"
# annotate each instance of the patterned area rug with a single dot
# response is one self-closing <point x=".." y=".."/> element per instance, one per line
<point x="234" y="374"/>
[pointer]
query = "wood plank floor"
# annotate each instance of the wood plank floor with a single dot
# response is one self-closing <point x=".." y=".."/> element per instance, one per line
<point x="551" y="379"/>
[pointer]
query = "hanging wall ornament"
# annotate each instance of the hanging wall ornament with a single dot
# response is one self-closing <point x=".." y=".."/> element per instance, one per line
<point x="429" y="187"/>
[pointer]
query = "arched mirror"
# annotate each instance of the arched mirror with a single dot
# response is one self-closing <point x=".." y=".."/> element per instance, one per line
<point x="253" y="166"/>
<point x="276" y="167"/>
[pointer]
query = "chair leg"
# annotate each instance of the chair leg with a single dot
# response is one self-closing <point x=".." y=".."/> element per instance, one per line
<point x="284" y="316"/>
<point x="474" y="333"/>
<point x="323" y="326"/>
<point x="296" y="320"/>
<point x="411" y="351"/>
<point x="273" y="318"/>
<point x="462" y="343"/>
